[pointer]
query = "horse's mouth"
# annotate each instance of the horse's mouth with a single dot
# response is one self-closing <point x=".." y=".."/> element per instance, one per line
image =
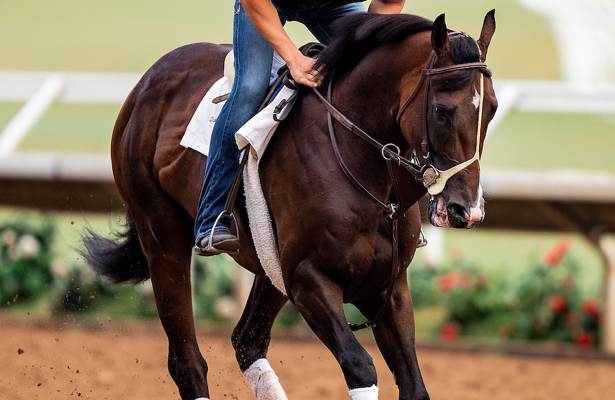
<point x="438" y="216"/>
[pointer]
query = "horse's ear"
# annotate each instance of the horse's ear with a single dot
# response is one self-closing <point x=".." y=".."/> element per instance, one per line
<point x="439" y="36"/>
<point x="486" y="34"/>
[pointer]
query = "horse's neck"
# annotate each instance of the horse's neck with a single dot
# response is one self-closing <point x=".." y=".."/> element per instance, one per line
<point x="370" y="95"/>
<point x="372" y="92"/>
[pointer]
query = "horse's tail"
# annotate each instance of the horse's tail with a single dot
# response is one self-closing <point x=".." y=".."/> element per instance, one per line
<point x="121" y="258"/>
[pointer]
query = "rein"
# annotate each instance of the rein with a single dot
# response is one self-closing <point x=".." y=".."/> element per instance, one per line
<point x="432" y="178"/>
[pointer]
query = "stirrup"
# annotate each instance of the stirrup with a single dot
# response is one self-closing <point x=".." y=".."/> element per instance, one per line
<point x="210" y="247"/>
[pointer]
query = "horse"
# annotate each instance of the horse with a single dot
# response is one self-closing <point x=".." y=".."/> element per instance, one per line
<point x="334" y="242"/>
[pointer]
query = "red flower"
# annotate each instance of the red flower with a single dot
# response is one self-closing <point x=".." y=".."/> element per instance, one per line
<point x="555" y="254"/>
<point x="552" y="258"/>
<point x="558" y="304"/>
<point x="453" y="280"/>
<point x="584" y="339"/>
<point x="446" y="282"/>
<point x="450" y="331"/>
<point x="590" y="309"/>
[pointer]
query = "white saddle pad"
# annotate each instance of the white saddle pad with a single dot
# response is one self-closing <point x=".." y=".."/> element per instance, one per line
<point x="257" y="132"/>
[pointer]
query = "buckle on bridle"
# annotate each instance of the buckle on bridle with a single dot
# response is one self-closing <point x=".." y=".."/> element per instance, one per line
<point x="393" y="210"/>
<point x="430" y="176"/>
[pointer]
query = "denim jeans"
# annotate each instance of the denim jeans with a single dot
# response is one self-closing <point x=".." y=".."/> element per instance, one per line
<point x="253" y="63"/>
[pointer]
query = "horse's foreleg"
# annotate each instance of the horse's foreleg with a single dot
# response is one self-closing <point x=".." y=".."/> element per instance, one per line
<point x="252" y="335"/>
<point x="320" y="301"/>
<point x="394" y="333"/>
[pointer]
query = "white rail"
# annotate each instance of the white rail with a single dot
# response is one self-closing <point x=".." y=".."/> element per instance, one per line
<point x="25" y="119"/>
<point x="40" y="89"/>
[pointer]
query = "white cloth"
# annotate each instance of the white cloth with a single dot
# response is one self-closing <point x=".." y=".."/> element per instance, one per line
<point x="259" y="129"/>
<point x="200" y="127"/>
<point x="263" y="381"/>
<point x="370" y="393"/>
<point x="261" y="226"/>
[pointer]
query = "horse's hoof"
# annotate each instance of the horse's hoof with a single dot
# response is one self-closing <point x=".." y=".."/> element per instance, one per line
<point x="221" y="242"/>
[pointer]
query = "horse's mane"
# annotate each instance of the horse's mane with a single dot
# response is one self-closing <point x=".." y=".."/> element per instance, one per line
<point x="359" y="34"/>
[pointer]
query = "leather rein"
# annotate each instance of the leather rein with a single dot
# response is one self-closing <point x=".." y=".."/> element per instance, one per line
<point x="433" y="179"/>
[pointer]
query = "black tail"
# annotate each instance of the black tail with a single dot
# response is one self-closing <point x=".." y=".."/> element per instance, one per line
<point x="119" y="259"/>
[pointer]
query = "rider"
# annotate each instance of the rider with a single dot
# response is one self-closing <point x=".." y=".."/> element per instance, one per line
<point x="257" y="32"/>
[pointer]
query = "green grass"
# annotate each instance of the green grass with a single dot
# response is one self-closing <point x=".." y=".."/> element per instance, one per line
<point x="73" y="128"/>
<point x="119" y="35"/>
<point x="541" y="141"/>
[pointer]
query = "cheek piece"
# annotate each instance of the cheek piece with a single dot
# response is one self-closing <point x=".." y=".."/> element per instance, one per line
<point x="434" y="179"/>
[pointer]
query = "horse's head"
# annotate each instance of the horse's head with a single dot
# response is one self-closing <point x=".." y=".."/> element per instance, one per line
<point x="459" y="103"/>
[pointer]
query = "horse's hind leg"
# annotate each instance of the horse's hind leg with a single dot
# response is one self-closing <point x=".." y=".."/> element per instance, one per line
<point x="166" y="236"/>
<point x="252" y="335"/>
<point x="394" y="333"/>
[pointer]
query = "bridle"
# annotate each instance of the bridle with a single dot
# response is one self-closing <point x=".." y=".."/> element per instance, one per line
<point x="433" y="179"/>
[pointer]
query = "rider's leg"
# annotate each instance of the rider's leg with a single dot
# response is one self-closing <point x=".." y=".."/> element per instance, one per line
<point x="253" y="58"/>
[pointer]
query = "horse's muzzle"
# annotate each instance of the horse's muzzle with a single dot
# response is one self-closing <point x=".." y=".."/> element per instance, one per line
<point x="455" y="215"/>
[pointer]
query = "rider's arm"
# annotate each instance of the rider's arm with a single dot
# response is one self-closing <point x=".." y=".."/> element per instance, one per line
<point x="265" y="18"/>
<point x="386" y="6"/>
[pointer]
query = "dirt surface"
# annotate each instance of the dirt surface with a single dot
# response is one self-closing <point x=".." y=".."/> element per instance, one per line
<point x="112" y="360"/>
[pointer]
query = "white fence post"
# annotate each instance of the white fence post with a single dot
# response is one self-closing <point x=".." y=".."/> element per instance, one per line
<point x="29" y="114"/>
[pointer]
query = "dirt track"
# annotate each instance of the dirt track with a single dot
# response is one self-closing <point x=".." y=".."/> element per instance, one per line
<point x="118" y="361"/>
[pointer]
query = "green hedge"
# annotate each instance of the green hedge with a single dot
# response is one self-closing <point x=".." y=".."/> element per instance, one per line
<point x="544" y="303"/>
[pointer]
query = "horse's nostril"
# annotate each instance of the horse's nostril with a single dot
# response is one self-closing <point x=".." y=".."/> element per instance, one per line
<point x="457" y="215"/>
<point x="456" y="211"/>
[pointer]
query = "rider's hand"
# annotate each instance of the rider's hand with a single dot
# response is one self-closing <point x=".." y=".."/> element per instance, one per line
<point x="301" y="71"/>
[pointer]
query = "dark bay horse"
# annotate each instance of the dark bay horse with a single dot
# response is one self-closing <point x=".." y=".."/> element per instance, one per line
<point x="334" y="243"/>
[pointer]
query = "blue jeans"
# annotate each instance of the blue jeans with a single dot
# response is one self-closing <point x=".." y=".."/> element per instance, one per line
<point x="253" y="62"/>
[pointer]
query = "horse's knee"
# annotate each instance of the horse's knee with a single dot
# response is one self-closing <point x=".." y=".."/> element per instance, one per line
<point x="359" y="370"/>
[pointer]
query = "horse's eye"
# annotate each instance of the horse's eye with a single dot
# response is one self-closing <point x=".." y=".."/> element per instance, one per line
<point x="440" y="113"/>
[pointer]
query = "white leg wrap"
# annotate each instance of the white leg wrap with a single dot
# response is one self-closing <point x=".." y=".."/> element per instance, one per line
<point x="370" y="393"/>
<point x="202" y="398"/>
<point x="263" y="381"/>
